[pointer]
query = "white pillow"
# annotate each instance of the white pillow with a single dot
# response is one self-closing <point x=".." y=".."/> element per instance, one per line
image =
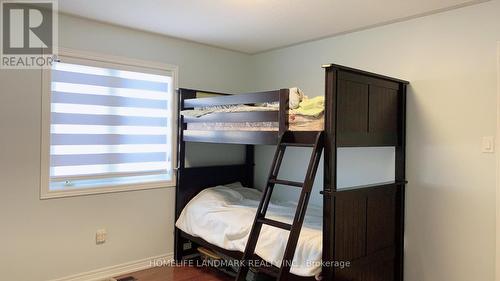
<point x="295" y="97"/>
<point x="234" y="185"/>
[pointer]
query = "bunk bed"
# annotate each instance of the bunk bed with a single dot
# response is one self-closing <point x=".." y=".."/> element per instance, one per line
<point x="362" y="224"/>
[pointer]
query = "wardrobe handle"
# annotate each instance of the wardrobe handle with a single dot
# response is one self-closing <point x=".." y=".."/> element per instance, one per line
<point x="326" y="193"/>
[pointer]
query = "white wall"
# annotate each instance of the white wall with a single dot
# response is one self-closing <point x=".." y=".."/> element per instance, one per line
<point x="43" y="240"/>
<point x="498" y="166"/>
<point x="450" y="59"/>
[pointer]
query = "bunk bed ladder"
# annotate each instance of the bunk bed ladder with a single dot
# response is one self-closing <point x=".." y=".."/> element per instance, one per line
<point x="286" y="139"/>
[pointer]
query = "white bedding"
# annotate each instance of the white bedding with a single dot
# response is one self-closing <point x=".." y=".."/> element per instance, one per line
<point x="223" y="216"/>
<point x="295" y="123"/>
<point x="198" y="112"/>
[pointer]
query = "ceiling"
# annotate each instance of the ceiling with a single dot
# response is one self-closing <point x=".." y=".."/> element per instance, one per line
<point x="253" y="26"/>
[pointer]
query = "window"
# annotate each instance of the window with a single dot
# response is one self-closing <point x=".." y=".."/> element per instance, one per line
<point x="108" y="125"/>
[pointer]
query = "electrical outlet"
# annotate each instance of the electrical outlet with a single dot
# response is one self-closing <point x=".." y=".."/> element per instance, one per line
<point x="187" y="246"/>
<point x="100" y="236"/>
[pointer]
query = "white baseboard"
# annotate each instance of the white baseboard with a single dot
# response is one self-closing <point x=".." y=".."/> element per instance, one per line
<point x="116" y="270"/>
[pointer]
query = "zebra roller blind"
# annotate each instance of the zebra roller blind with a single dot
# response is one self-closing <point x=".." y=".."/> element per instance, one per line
<point x="109" y="126"/>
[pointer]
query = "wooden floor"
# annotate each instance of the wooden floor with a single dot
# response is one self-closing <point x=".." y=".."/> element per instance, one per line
<point x="167" y="273"/>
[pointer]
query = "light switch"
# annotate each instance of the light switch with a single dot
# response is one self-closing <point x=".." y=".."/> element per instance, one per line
<point x="100" y="236"/>
<point x="488" y="145"/>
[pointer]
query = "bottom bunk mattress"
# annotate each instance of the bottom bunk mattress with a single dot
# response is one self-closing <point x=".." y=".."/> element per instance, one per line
<point x="223" y="216"/>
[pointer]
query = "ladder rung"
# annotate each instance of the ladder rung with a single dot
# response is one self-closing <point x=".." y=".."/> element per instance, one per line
<point x="285" y="182"/>
<point x="274" y="223"/>
<point x="297" y="144"/>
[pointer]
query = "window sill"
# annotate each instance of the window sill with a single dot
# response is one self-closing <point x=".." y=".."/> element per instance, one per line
<point x="103" y="190"/>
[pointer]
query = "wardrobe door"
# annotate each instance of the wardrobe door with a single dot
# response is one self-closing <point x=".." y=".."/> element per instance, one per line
<point x="365" y="228"/>
<point x="367" y="110"/>
<point x="352" y="108"/>
<point x="383" y="114"/>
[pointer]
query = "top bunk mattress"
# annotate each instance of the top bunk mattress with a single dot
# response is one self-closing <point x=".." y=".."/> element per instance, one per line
<point x="295" y="123"/>
<point x="223" y="216"/>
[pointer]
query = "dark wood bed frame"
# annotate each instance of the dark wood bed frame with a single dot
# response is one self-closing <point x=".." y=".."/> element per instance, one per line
<point x="362" y="224"/>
